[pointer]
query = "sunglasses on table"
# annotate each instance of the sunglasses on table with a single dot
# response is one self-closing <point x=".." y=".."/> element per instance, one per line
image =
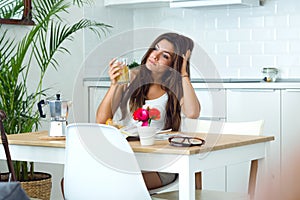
<point x="182" y="141"/>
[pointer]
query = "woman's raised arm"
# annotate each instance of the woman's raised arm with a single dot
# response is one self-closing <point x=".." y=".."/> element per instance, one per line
<point x="190" y="104"/>
<point x="113" y="96"/>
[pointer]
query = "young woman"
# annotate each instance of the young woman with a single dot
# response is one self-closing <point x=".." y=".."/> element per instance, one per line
<point x="162" y="81"/>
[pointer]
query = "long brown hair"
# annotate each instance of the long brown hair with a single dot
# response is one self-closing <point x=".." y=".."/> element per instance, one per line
<point x="171" y="81"/>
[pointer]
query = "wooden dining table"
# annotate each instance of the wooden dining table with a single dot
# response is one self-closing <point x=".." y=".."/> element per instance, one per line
<point x="218" y="151"/>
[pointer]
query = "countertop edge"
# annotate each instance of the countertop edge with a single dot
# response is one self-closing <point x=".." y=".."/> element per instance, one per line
<point x="214" y="85"/>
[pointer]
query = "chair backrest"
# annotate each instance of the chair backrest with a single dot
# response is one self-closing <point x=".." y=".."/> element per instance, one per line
<point x="100" y="164"/>
<point x="209" y="126"/>
<point x="244" y="128"/>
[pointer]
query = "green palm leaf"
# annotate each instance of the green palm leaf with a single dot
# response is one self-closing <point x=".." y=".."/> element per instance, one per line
<point x="10" y="9"/>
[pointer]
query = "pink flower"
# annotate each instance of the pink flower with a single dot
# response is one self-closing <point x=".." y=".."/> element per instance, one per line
<point x="141" y="114"/>
<point x="146" y="114"/>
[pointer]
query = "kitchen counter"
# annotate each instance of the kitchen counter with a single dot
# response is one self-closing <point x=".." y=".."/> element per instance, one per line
<point x="229" y="83"/>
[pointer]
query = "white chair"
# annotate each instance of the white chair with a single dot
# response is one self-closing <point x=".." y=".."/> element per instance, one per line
<point x="241" y="128"/>
<point x="100" y="164"/>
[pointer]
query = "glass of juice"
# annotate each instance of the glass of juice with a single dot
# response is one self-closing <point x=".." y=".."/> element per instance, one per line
<point x="124" y="77"/>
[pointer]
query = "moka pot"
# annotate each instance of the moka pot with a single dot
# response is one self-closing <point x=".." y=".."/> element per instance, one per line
<point x="59" y="111"/>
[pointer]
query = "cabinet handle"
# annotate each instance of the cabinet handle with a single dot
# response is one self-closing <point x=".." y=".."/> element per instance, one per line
<point x="252" y="90"/>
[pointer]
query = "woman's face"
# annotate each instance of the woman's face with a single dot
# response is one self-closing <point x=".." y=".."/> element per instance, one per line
<point x="161" y="57"/>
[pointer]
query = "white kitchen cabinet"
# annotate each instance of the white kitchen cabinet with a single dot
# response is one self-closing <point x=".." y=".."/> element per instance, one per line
<point x="213" y="103"/>
<point x="257" y="104"/>
<point x="213" y="107"/>
<point x="290" y="161"/>
<point x="95" y="96"/>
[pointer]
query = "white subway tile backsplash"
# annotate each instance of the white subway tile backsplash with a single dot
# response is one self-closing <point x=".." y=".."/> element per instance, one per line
<point x="169" y="13"/>
<point x="197" y="27"/>
<point x="239" y="35"/>
<point x="294" y="20"/>
<point x="210" y="23"/>
<point x="240" y="41"/>
<point x="239" y="12"/>
<point x="276" y="48"/>
<point x="250" y="72"/>
<point x="263" y="61"/>
<point x="215" y="12"/>
<point x="225" y="72"/>
<point x="288" y="60"/>
<point x="227" y="48"/>
<point x="263" y="34"/>
<point x="252" y="22"/>
<point x="288" y="6"/>
<point x="251" y="48"/>
<point x="220" y="61"/>
<point x="227" y="22"/>
<point x="293" y="72"/>
<point x="216" y="35"/>
<point x="197" y="19"/>
<point x="240" y="61"/>
<point x="294" y="47"/>
<point x="281" y="21"/>
<point x="166" y="23"/>
<point x="208" y="47"/>
<point x="288" y="34"/>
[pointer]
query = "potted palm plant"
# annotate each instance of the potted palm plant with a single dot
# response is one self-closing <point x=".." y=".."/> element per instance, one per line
<point x="37" y="48"/>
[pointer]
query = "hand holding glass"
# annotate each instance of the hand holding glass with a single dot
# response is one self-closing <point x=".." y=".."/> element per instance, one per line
<point x="123" y="78"/>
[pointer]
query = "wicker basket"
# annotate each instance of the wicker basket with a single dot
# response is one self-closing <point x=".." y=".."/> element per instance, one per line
<point x="39" y="188"/>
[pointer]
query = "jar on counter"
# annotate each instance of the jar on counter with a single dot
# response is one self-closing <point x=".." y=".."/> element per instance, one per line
<point x="270" y="74"/>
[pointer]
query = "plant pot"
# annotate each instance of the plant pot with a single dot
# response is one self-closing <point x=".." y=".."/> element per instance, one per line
<point x="39" y="188"/>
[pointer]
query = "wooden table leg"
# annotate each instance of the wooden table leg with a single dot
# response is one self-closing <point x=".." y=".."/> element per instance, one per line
<point x="252" y="179"/>
<point x="198" y="180"/>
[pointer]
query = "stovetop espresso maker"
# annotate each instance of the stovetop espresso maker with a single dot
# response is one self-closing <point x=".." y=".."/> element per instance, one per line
<point x="59" y="111"/>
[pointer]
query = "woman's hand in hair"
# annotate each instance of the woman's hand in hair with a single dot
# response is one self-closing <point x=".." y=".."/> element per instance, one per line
<point x="190" y="105"/>
<point x="185" y="57"/>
